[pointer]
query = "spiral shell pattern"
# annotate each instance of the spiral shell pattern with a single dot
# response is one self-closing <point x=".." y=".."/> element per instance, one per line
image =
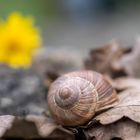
<point x="74" y="98"/>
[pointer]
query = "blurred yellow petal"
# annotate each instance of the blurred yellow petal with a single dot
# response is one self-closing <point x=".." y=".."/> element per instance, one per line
<point x="2" y="58"/>
<point x="18" y="35"/>
<point x="19" y="60"/>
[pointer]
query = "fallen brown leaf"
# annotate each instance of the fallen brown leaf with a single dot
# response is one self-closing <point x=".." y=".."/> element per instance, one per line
<point x="122" y="121"/>
<point x="128" y="106"/>
<point x="130" y="62"/>
<point x="5" y="123"/>
<point x="105" y="59"/>
<point x="125" y="83"/>
<point x="123" y="129"/>
<point x="32" y="127"/>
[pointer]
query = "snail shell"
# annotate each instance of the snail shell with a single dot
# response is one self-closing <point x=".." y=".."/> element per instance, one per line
<point x="74" y="98"/>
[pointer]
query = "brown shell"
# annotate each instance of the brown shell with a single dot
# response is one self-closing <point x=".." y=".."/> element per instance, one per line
<point x="74" y="98"/>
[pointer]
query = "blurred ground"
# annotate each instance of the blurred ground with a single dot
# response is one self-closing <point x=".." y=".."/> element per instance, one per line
<point x="21" y="92"/>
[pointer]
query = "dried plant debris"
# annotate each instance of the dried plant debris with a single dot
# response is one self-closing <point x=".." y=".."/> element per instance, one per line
<point x="123" y="129"/>
<point x="32" y="127"/>
<point x="114" y="60"/>
<point x="106" y="59"/>
<point x="128" y="106"/>
<point x="124" y="83"/>
<point x="130" y="62"/>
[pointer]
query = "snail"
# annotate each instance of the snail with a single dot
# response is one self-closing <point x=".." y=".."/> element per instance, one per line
<point x="76" y="97"/>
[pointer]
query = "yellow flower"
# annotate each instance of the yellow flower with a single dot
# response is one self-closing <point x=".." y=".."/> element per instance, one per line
<point x="18" y="39"/>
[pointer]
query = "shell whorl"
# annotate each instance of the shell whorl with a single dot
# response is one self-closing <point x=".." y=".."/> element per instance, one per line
<point x="74" y="98"/>
<point x="67" y="94"/>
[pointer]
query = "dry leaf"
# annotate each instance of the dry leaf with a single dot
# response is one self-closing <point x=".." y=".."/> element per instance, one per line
<point x="105" y="59"/>
<point x="122" y="121"/>
<point x="32" y="127"/>
<point x="125" y="83"/>
<point x="124" y="129"/>
<point x="5" y="123"/>
<point x="48" y="129"/>
<point x="128" y="106"/>
<point x="115" y="61"/>
<point x="130" y="62"/>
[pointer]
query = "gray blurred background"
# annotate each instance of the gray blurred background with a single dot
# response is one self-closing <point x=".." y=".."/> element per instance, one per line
<point x="80" y="24"/>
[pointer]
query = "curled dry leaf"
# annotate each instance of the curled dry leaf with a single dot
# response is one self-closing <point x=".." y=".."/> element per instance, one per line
<point x="115" y="61"/>
<point x="105" y="59"/>
<point x="128" y="106"/>
<point x="124" y="129"/>
<point x="48" y="129"/>
<point x="122" y="121"/>
<point x="125" y="83"/>
<point x="5" y="123"/>
<point x="130" y="62"/>
<point x="32" y="127"/>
